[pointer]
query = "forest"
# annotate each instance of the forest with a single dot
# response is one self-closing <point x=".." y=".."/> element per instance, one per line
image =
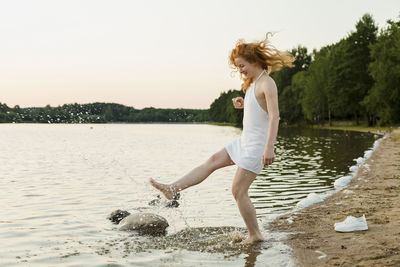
<point x="355" y="79"/>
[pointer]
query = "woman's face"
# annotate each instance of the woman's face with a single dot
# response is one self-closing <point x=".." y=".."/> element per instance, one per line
<point x="245" y="68"/>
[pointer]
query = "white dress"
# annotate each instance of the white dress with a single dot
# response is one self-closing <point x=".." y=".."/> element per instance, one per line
<point x="246" y="151"/>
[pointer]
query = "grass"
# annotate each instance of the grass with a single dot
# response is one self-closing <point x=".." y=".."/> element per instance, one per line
<point x="336" y="125"/>
<point x="360" y="128"/>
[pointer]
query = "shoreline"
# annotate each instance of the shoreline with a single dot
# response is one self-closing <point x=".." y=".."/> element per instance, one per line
<point x="366" y="129"/>
<point x="374" y="191"/>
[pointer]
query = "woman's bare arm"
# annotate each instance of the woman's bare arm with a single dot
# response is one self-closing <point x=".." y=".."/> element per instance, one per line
<point x="271" y="97"/>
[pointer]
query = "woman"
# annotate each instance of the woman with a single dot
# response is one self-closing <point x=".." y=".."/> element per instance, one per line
<point x="254" y="149"/>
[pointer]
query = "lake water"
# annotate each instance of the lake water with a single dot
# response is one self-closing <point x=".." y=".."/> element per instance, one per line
<point x="59" y="182"/>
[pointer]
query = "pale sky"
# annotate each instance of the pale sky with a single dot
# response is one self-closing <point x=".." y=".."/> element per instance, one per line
<point x="164" y="54"/>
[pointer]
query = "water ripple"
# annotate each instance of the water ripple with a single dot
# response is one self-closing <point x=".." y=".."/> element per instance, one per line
<point x="59" y="182"/>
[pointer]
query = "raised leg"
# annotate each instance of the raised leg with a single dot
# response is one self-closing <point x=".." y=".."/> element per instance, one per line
<point x="241" y="183"/>
<point x="195" y="176"/>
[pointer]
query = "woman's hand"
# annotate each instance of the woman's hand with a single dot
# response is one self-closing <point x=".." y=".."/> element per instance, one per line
<point x="268" y="156"/>
<point x="238" y="102"/>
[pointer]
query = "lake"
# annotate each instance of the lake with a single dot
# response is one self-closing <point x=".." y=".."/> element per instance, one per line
<point x="59" y="182"/>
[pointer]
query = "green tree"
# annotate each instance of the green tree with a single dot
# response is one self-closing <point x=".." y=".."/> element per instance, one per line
<point x="350" y="59"/>
<point x="289" y="95"/>
<point x="383" y="100"/>
<point x="290" y="100"/>
<point x="283" y="77"/>
<point x="314" y="99"/>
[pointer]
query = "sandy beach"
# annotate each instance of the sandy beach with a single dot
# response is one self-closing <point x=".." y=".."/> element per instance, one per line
<point x="375" y="192"/>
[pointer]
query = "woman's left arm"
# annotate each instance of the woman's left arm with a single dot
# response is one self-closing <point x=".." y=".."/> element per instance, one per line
<point x="271" y="97"/>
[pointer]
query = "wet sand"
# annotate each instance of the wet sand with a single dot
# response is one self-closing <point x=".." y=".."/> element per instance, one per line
<point x="375" y="192"/>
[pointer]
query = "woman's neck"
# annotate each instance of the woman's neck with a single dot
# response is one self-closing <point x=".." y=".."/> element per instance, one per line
<point x="258" y="75"/>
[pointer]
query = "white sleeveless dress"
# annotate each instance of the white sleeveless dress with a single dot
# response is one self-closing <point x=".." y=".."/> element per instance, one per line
<point x="246" y="151"/>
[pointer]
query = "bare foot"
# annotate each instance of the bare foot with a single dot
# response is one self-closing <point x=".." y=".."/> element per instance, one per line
<point x="252" y="240"/>
<point x="167" y="190"/>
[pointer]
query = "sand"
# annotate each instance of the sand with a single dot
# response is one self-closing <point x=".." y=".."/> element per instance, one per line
<point x="375" y="192"/>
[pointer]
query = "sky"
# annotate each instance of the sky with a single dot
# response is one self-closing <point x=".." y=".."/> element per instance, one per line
<point x="163" y="54"/>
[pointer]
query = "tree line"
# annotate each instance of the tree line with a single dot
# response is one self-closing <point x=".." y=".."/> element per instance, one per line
<point x="356" y="78"/>
<point x="99" y="113"/>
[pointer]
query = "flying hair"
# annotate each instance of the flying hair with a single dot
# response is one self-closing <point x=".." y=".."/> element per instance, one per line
<point x="262" y="53"/>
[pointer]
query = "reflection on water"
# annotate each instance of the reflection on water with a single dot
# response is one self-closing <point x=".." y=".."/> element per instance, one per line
<point x="307" y="160"/>
<point x="59" y="183"/>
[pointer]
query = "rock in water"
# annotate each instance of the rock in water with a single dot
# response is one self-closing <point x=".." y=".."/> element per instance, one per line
<point x="145" y="223"/>
<point x="117" y="215"/>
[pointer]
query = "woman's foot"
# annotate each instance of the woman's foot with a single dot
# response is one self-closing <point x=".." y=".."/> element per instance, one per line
<point x="167" y="190"/>
<point x="252" y="240"/>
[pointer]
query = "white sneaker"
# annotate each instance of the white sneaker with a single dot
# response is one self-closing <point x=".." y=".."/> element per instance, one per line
<point x="352" y="224"/>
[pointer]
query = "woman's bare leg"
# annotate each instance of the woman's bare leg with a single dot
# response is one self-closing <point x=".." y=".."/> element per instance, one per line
<point x="241" y="183"/>
<point x="195" y="176"/>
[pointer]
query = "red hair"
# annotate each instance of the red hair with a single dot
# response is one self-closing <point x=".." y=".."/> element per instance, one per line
<point x="261" y="53"/>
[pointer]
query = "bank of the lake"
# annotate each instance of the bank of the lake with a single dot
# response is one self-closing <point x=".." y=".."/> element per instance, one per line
<point x="375" y="192"/>
<point x="351" y="126"/>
